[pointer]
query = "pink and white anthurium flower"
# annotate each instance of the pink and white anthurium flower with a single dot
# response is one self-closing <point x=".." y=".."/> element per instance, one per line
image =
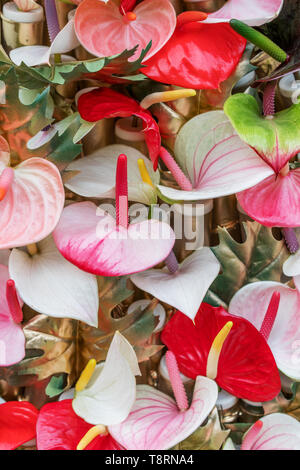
<point x="94" y="241"/>
<point x="157" y="421"/>
<point x="273" y="309"/>
<point x="51" y="285"/>
<point x="12" y="339"/>
<point x="275" y="201"/>
<point x="211" y="160"/>
<point x="276" y="431"/>
<point x="31" y="199"/>
<point x="181" y="285"/>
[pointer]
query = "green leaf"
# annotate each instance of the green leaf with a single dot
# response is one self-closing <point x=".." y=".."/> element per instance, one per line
<point x="56" y="386"/>
<point x="259" y="258"/>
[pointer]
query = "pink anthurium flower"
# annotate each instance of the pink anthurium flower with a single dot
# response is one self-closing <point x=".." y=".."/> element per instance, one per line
<point x="273" y="309"/>
<point x="97" y="243"/>
<point x="157" y="422"/>
<point x="275" y="201"/>
<point x="105" y="30"/>
<point x="17" y="424"/>
<point x="12" y="339"/>
<point x="182" y="286"/>
<point x="276" y="431"/>
<point x="211" y="160"/>
<point x="31" y="199"/>
<point x="225" y="348"/>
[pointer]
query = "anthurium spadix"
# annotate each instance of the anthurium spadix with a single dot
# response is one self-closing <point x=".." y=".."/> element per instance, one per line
<point x="157" y="421"/>
<point x="277" y="318"/>
<point x="12" y="339"/>
<point x="211" y="160"/>
<point x="276" y="139"/>
<point x="31" y="199"/>
<point x="181" y="285"/>
<point x="291" y="266"/>
<point x="105" y="30"/>
<point x="51" y="285"/>
<point x="65" y="41"/>
<point x="17" y="424"/>
<point x="94" y="175"/>
<point x="97" y="243"/>
<point x="225" y="348"/>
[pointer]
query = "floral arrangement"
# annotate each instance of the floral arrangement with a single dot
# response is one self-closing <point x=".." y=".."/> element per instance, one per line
<point x="149" y="215"/>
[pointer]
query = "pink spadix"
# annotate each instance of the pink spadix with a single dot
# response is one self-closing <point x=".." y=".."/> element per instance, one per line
<point x="176" y="171"/>
<point x="290" y="239"/>
<point x="13" y="302"/>
<point x="172" y="263"/>
<point x="251" y="435"/>
<point x="122" y="192"/>
<point x="6" y="179"/>
<point x="270" y="316"/>
<point x="176" y="382"/>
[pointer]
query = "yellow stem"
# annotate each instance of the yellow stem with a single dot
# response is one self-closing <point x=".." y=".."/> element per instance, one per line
<point x="164" y="96"/>
<point x="144" y="172"/>
<point x="86" y="375"/>
<point x="90" y="436"/>
<point x="215" y="351"/>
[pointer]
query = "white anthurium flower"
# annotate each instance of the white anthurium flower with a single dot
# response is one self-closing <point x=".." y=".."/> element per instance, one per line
<point x="110" y="393"/>
<point x="291" y="266"/>
<point x="65" y="41"/>
<point x="94" y="175"/>
<point x="2" y="400"/>
<point x="49" y="284"/>
<point x="185" y="288"/>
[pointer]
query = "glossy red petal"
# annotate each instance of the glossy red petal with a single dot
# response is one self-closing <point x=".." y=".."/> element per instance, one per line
<point x="246" y="367"/>
<point x="59" y="428"/>
<point x="106" y="103"/>
<point x="17" y="424"/>
<point x="198" y="55"/>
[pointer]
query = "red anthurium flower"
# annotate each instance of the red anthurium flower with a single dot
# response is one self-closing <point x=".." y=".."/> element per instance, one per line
<point x="59" y="428"/>
<point x="17" y="424"/>
<point x="104" y="103"/>
<point x="198" y="55"/>
<point x="226" y="348"/>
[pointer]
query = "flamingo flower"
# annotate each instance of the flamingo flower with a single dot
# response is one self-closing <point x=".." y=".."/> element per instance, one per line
<point x="12" y="339"/>
<point x="211" y="160"/>
<point x="94" y="241"/>
<point x="104" y="395"/>
<point x="225" y="348"/>
<point x="273" y="309"/>
<point x="182" y="286"/>
<point x="31" y="199"/>
<point x="157" y="422"/>
<point x="17" y="424"/>
<point x="276" y="140"/>
<point x="105" y="30"/>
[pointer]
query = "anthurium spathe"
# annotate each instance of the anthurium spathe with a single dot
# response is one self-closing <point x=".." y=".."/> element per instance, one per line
<point x="157" y="421"/>
<point x="105" y="30"/>
<point x="107" y="103"/>
<point x="273" y="309"/>
<point x="94" y="175"/>
<point x="12" y="339"/>
<point x="276" y="139"/>
<point x="97" y="243"/>
<point x="31" y="199"/>
<point x="51" y="285"/>
<point x="182" y="286"/>
<point x="17" y="424"/>
<point x="211" y="160"/>
<point x="225" y="348"/>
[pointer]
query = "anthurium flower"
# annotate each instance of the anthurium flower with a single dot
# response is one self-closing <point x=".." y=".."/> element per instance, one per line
<point x="105" y="30"/>
<point x="107" y="103"/>
<point x="51" y="285"/>
<point x="225" y="348"/>
<point x="276" y="140"/>
<point x="94" y="175"/>
<point x="17" y="424"/>
<point x="31" y="199"/>
<point x="273" y="309"/>
<point x="276" y="431"/>
<point x="26" y="5"/>
<point x="12" y="339"/>
<point x="97" y="243"/>
<point x="65" y="41"/>
<point x="182" y="286"/>
<point x="211" y="160"/>
<point x="157" y="422"/>
<point x="198" y="55"/>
